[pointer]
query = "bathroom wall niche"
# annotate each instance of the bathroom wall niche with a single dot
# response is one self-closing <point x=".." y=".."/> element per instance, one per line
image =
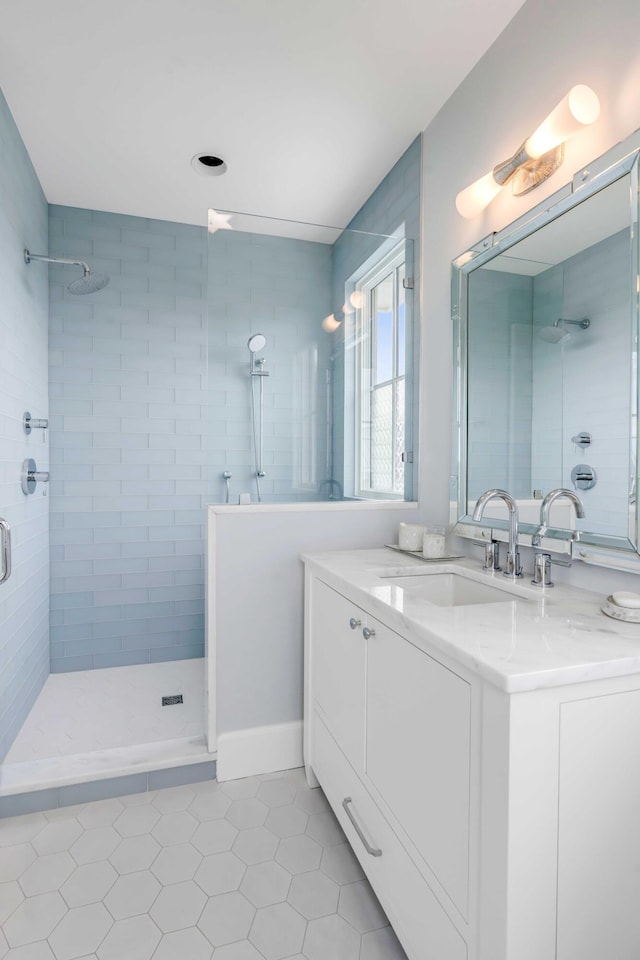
<point x="546" y="328"/>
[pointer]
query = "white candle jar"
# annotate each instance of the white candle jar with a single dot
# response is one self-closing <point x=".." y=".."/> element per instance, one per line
<point x="410" y="536"/>
<point x="433" y="543"/>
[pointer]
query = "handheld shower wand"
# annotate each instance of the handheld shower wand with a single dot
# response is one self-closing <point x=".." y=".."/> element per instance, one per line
<point x="256" y="369"/>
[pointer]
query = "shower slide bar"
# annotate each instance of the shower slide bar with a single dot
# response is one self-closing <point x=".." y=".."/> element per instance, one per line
<point x="5" y="550"/>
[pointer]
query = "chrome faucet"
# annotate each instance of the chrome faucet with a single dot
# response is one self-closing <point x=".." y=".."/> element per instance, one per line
<point x="545" y="507"/>
<point x="512" y="565"/>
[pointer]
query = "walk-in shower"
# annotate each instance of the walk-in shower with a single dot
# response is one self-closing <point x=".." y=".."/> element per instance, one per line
<point x="257" y="373"/>
<point x="87" y="283"/>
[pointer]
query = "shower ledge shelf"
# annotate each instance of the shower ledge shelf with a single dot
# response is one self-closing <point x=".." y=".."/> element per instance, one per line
<point x="30" y="775"/>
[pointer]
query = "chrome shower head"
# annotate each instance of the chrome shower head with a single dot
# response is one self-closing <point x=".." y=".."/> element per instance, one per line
<point x="557" y="334"/>
<point x="87" y="283"/>
<point x="554" y="334"/>
<point x="256" y="342"/>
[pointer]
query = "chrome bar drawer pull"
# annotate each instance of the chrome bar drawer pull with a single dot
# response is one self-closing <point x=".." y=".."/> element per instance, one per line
<point x="5" y="551"/>
<point x="367" y="632"/>
<point x="372" y="851"/>
<point x="354" y="624"/>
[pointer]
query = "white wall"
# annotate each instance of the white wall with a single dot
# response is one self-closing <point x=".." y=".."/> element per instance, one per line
<point x="546" y="49"/>
<point x="255" y="603"/>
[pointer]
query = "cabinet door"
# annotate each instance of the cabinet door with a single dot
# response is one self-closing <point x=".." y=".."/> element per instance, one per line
<point x="599" y="829"/>
<point x="418" y="753"/>
<point x="338" y="668"/>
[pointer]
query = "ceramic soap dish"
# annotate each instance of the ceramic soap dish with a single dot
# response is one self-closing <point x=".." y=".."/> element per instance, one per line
<point x="619" y="612"/>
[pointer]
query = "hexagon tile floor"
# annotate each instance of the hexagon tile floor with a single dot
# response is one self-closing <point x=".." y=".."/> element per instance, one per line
<point x="254" y="869"/>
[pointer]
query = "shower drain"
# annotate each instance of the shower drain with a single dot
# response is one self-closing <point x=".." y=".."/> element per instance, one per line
<point x="170" y="701"/>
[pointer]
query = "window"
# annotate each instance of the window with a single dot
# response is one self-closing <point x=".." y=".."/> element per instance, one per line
<point x="380" y="379"/>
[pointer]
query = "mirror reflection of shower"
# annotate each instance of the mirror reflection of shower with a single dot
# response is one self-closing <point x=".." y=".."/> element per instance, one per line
<point x="556" y="332"/>
<point x="257" y="373"/>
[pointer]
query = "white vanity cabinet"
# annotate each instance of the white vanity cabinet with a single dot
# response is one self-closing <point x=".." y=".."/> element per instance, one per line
<point x="389" y="738"/>
<point x="493" y="825"/>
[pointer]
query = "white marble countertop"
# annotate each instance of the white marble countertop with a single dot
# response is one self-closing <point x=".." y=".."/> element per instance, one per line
<point x="537" y="639"/>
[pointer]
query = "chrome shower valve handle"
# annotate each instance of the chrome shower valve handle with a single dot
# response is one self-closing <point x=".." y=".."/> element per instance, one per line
<point x="30" y="476"/>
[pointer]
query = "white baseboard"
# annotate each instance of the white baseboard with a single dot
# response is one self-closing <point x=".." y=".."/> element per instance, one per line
<point x="245" y="753"/>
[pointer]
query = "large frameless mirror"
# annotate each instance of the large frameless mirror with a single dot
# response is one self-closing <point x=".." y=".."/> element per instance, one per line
<point x="546" y="320"/>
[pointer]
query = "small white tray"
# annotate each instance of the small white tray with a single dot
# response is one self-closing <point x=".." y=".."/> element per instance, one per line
<point x="418" y="554"/>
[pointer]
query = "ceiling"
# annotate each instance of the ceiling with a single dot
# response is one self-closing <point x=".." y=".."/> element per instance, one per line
<point x="309" y="103"/>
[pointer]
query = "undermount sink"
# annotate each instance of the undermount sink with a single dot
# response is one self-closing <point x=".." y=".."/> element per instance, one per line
<point x="450" y="589"/>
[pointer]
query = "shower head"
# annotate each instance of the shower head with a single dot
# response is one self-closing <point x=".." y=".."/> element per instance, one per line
<point x="87" y="283"/>
<point x="557" y="334"/>
<point x="256" y="342"/>
<point x="554" y="335"/>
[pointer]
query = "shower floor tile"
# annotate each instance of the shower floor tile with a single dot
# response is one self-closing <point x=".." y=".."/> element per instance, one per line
<point x="185" y="881"/>
<point x="95" y="710"/>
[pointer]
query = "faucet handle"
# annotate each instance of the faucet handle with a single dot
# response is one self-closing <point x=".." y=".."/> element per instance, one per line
<point x="513" y="567"/>
<point x="542" y="570"/>
<point x="492" y="556"/>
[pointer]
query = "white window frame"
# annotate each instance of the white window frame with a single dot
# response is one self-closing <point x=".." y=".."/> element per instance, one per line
<point x="364" y="353"/>
<point x="305" y="438"/>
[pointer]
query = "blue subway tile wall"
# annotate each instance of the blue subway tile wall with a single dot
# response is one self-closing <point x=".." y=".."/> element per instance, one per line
<point x="24" y="604"/>
<point x="128" y="385"/>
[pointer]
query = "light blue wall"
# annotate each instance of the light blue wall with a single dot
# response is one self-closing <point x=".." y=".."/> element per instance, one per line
<point x="24" y="604"/>
<point x="128" y="372"/>
<point x="144" y="422"/>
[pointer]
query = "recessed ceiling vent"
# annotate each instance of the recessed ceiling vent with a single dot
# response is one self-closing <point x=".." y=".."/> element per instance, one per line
<point x="208" y="165"/>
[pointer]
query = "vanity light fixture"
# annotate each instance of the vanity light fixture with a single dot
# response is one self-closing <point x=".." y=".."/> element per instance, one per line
<point x="538" y="157"/>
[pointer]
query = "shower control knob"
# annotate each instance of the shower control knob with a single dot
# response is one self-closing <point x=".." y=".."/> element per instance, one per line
<point x="354" y="624"/>
<point x="583" y="476"/>
<point x="367" y="632"/>
<point x="30" y="475"/>
<point x="30" y="423"/>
